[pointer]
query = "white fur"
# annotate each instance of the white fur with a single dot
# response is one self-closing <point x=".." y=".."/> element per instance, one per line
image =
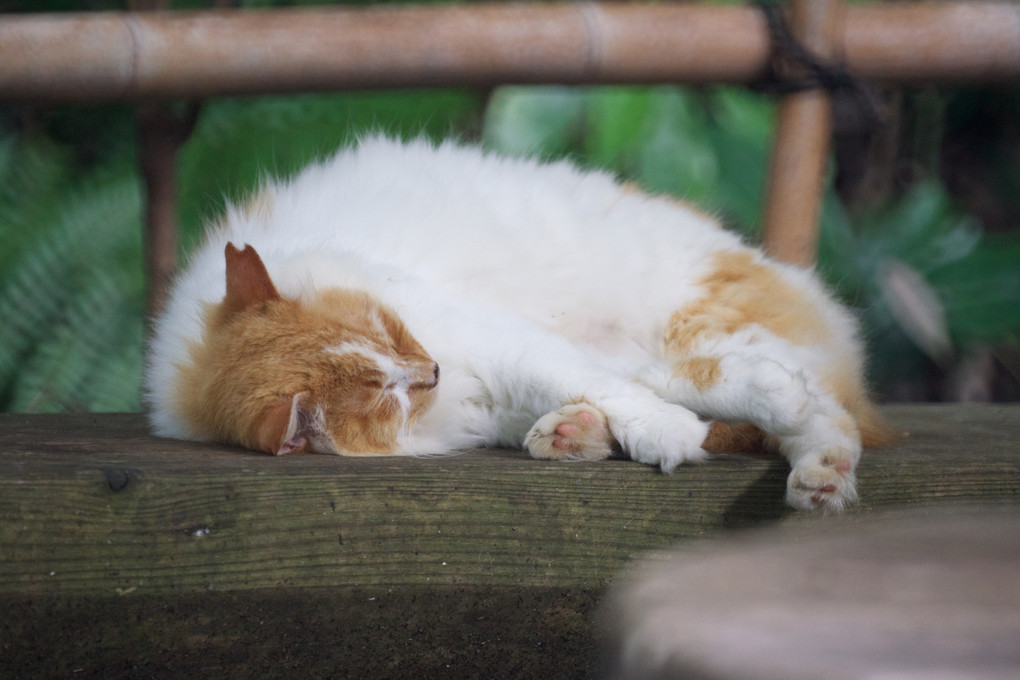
<point x="398" y="378"/>
<point x="533" y="286"/>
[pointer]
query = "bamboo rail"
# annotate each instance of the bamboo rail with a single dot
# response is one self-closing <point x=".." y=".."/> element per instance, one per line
<point x="157" y="55"/>
<point x="110" y="55"/>
<point x="161" y="133"/>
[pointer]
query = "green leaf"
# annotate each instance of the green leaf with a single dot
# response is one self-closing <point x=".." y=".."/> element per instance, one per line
<point x="539" y="122"/>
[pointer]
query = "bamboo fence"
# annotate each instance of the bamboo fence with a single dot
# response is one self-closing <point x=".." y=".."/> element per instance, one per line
<point x="154" y="56"/>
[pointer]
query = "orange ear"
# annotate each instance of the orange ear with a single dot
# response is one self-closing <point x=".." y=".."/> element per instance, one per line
<point x="248" y="282"/>
<point x="291" y="425"/>
<point x="277" y="431"/>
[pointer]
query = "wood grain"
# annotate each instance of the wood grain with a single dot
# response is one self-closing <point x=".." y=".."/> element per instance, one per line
<point x="214" y="553"/>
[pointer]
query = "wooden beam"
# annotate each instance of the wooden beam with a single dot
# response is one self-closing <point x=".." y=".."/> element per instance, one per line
<point x="96" y="473"/>
<point x="123" y="553"/>
<point x="109" y="55"/>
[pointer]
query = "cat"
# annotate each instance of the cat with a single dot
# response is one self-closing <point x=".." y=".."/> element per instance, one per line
<point x="406" y="297"/>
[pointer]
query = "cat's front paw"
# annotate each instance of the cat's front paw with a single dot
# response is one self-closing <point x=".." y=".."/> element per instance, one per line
<point x="665" y="435"/>
<point x="824" y="481"/>
<point x="575" y="432"/>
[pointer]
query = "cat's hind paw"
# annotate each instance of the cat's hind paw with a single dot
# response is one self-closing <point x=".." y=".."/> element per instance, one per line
<point x="823" y="482"/>
<point x="575" y="432"/>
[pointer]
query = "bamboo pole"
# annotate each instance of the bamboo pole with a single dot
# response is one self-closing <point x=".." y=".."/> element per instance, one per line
<point x="161" y="133"/>
<point x="198" y="54"/>
<point x="917" y="42"/>
<point x="102" y="56"/>
<point x="801" y="147"/>
<point x="110" y="55"/>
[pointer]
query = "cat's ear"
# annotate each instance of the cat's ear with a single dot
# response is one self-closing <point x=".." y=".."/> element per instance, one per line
<point x="248" y="282"/>
<point x="291" y="425"/>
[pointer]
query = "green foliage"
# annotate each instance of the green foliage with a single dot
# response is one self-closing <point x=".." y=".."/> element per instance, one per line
<point x="975" y="277"/>
<point x="238" y="143"/>
<point x="72" y="288"/>
<point x="71" y="282"/>
<point x="707" y="147"/>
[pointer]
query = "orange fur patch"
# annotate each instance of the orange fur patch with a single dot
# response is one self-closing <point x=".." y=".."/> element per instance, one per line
<point x="702" y="372"/>
<point x="740" y="292"/>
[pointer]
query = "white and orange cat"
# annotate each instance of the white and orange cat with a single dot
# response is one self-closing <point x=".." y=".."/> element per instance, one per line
<point x="404" y="298"/>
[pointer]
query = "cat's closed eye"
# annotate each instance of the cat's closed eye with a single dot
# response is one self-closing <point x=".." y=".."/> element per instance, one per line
<point x="375" y="383"/>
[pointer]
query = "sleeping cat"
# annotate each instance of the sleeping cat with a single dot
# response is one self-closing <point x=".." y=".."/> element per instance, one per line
<point x="405" y="298"/>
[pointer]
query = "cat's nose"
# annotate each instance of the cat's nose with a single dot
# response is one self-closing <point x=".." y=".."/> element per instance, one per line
<point x="426" y="376"/>
<point x="429" y="384"/>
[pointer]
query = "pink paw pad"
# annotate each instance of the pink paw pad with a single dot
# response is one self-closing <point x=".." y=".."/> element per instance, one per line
<point x="841" y="465"/>
<point x="819" y="496"/>
<point x="575" y="432"/>
<point x="563" y="435"/>
<point x="826" y="483"/>
<point x="567" y="431"/>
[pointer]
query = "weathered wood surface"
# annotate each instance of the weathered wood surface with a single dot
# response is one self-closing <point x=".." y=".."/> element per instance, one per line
<point x="903" y="594"/>
<point x="125" y="555"/>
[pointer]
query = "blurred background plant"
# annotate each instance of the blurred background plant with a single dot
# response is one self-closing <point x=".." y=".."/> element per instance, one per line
<point x="918" y="231"/>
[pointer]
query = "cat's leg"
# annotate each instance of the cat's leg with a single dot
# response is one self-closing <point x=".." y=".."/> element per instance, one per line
<point x="590" y="411"/>
<point x="656" y="432"/>
<point x="765" y="344"/>
<point x="758" y="378"/>
<point x="619" y="416"/>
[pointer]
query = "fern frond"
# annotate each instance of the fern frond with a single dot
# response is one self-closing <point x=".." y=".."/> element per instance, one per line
<point x="89" y="234"/>
<point x="92" y="360"/>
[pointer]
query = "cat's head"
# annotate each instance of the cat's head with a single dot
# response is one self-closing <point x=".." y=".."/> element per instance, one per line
<point x="338" y="373"/>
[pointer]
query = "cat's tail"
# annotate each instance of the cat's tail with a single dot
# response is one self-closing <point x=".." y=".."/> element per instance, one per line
<point x="875" y="430"/>
<point x="738" y="438"/>
<point x="750" y="439"/>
